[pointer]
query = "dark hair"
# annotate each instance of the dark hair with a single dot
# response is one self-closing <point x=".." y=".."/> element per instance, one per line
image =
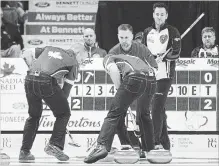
<point x="160" y="5"/>
<point x="125" y="27"/>
<point x="139" y="35"/>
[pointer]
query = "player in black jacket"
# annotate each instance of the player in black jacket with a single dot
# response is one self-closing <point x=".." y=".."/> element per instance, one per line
<point x="159" y="38"/>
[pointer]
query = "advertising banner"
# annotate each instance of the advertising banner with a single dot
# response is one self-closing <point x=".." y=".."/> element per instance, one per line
<point x="63" y="5"/>
<point x="183" y="146"/>
<point x="55" y="29"/>
<point x="194" y="146"/>
<point x="15" y="113"/>
<point x="61" y="17"/>
<point x="62" y="41"/>
<point x="11" y="144"/>
<point x="197" y="64"/>
<point x="13" y="71"/>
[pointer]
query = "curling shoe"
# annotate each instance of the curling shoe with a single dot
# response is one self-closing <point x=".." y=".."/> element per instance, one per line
<point x="26" y="157"/>
<point x="98" y="153"/>
<point x="56" y="152"/>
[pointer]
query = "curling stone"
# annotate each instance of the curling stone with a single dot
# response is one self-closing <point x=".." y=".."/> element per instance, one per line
<point x="129" y="156"/>
<point x="160" y="156"/>
<point x="4" y="159"/>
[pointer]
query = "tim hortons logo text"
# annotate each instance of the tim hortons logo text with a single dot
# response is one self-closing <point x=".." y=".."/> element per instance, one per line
<point x="185" y="63"/>
<point x="82" y="122"/>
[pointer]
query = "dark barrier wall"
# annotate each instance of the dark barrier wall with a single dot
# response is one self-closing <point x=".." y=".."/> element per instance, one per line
<point x="139" y="14"/>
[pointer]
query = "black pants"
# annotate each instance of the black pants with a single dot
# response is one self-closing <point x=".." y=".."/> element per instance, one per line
<point x="144" y="117"/>
<point x="159" y="113"/>
<point x="122" y="132"/>
<point x="132" y="87"/>
<point x="46" y="88"/>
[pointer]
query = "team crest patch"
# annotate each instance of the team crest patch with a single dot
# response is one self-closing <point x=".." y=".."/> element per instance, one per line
<point x="163" y="38"/>
<point x="54" y="54"/>
<point x="150" y="40"/>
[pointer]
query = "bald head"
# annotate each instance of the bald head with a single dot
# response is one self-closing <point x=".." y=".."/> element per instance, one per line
<point x="89" y="37"/>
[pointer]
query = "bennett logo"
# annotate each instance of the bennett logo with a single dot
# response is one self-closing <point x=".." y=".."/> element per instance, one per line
<point x="77" y="2"/>
<point x="185" y="63"/>
<point x="213" y="62"/>
<point x="42" y="4"/>
<point x="35" y="42"/>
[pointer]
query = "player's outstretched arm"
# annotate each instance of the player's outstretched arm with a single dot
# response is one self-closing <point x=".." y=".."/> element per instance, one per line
<point x="114" y="73"/>
<point x="112" y="69"/>
<point x="69" y="80"/>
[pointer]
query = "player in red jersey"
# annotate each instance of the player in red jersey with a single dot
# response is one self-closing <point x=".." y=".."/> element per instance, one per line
<point x="134" y="61"/>
<point x="46" y="65"/>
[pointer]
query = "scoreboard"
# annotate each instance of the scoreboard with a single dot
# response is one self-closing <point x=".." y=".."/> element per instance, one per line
<point x="194" y="88"/>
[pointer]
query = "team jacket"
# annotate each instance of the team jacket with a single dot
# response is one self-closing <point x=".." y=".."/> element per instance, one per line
<point x="95" y="51"/>
<point x="55" y="62"/>
<point x="200" y="52"/>
<point x="160" y="42"/>
<point x="138" y="58"/>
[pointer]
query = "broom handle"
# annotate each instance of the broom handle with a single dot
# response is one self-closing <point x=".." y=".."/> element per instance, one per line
<point x="187" y="30"/>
